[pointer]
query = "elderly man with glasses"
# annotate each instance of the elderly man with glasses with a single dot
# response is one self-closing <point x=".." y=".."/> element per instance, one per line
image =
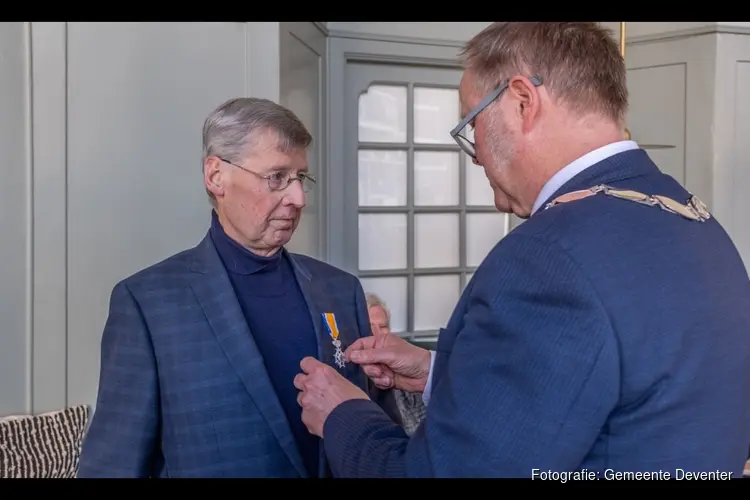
<point x="200" y="351"/>
<point x="605" y="337"/>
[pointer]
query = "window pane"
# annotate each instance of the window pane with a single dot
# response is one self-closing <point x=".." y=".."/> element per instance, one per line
<point x="436" y="240"/>
<point x="435" y="178"/>
<point x="483" y="231"/>
<point x="478" y="190"/>
<point x="436" y="112"/>
<point x="392" y="291"/>
<point x="382" y="114"/>
<point x="382" y="241"/>
<point x="382" y="178"/>
<point x="435" y="297"/>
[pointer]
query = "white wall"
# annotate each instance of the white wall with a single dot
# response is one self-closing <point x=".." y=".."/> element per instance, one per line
<point x="100" y="160"/>
<point x="15" y="214"/>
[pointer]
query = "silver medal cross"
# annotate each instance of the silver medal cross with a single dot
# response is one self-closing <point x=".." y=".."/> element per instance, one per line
<point x="338" y="356"/>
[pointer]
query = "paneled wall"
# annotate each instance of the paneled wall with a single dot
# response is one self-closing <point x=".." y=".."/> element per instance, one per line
<point x="731" y="137"/>
<point x="672" y="86"/>
<point x="100" y="155"/>
<point x="693" y="92"/>
<point x="15" y="218"/>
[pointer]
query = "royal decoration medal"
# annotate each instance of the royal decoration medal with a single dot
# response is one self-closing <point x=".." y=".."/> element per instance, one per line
<point x="333" y="331"/>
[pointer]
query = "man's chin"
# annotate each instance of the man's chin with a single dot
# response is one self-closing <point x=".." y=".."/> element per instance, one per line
<point x="502" y="203"/>
<point x="504" y="208"/>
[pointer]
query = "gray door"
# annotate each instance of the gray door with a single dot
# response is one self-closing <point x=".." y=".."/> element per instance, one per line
<point x="419" y="214"/>
<point x="302" y="84"/>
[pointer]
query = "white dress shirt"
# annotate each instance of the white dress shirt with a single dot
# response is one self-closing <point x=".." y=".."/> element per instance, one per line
<point x="551" y="186"/>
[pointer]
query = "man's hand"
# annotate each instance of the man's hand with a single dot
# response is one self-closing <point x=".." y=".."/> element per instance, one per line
<point x="322" y="389"/>
<point x="391" y="362"/>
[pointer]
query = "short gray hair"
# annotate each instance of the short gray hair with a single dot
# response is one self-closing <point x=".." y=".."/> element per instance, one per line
<point x="373" y="301"/>
<point x="231" y="130"/>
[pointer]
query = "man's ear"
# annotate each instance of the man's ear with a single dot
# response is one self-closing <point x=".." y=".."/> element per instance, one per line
<point x="213" y="176"/>
<point x="527" y="97"/>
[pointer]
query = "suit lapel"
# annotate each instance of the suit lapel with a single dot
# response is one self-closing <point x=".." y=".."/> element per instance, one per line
<point x="216" y="296"/>
<point x="320" y="300"/>
<point x="311" y="295"/>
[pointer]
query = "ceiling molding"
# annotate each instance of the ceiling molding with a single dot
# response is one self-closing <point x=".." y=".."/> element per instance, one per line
<point x="635" y="40"/>
<point x="376" y="37"/>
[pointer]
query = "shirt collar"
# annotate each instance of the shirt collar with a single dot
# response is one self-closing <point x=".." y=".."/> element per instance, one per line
<point x="577" y="166"/>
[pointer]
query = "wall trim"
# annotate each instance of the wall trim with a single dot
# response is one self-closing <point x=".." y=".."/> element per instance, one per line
<point x="406" y="60"/>
<point x="689" y="33"/>
<point x="374" y="37"/>
<point x="642" y="39"/>
<point x="322" y="27"/>
<point x="29" y="252"/>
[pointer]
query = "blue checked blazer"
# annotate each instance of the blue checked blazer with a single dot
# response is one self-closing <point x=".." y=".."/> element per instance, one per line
<point x="600" y="334"/>
<point x="183" y="390"/>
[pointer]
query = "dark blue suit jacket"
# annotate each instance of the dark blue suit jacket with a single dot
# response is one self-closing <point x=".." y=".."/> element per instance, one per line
<point x="600" y="334"/>
<point x="183" y="390"/>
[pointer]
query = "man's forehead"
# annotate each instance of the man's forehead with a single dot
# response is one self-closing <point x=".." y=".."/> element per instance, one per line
<point x="268" y="153"/>
<point x="377" y="310"/>
<point x="466" y="94"/>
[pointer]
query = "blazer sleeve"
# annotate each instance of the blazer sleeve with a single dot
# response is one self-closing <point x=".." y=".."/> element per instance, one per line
<point x="385" y="399"/>
<point x="121" y="439"/>
<point x="527" y="385"/>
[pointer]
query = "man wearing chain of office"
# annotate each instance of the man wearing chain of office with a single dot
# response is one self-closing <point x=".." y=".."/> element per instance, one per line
<point x="608" y="332"/>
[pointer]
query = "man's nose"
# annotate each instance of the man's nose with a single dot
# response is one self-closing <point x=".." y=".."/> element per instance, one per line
<point x="295" y="195"/>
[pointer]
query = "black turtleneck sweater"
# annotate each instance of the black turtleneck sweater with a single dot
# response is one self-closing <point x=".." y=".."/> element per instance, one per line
<point x="280" y="322"/>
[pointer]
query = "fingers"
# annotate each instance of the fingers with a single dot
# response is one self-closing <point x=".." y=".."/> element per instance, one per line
<point x="309" y="363"/>
<point x="383" y="355"/>
<point x="360" y="344"/>
<point x="373" y="371"/>
<point x="299" y="381"/>
<point x="385" y="382"/>
<point x="381" y="375"/>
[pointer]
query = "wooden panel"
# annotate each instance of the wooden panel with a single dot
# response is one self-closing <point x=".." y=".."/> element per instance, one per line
<point x="302" y="89"/>
<point x="657" y="113"/>
<point x="672" y="85"/>
<point x="741" y="168"/>
<point x="15" y="173"/>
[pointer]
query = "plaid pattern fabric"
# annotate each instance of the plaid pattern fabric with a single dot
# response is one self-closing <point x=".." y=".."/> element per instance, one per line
<point x="412" y="409"/>
<point x="184" y="391"/>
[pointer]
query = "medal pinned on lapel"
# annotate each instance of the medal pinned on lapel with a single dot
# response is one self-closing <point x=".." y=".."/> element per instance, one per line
<point x="333" y="331"/>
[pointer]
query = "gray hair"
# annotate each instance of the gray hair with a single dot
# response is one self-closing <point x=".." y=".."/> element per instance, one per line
<point x="232" y="129"/>
<point x="373" y="301"/>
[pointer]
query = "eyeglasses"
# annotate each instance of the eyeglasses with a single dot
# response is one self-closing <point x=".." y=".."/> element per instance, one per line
<point x="278" y="181"/>
<point x="465" y="144"/>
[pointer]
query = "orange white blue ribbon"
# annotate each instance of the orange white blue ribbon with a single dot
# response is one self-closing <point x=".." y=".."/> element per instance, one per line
<point x="333" y="330"/>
